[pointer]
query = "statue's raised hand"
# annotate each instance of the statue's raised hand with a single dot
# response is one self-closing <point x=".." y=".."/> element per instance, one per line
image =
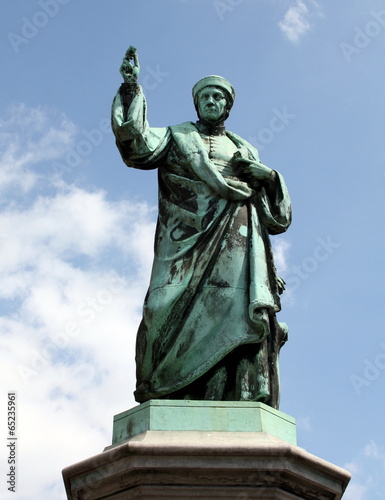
<point x="130" y="70"/>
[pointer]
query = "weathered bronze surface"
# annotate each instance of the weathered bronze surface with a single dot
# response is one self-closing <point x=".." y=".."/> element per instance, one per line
<point x="209" y="328"/>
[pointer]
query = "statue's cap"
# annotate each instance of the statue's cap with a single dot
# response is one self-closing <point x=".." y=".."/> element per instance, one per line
<point x="214" y="81"/>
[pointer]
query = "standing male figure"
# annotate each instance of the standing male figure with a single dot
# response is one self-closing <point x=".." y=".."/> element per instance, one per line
<point x="209" y="328"/>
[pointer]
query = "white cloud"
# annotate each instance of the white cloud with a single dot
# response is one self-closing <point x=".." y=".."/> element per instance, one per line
<point x="29" y="136"/>
<point x="355" y="491"/>
<point x="296" y="21"/>
<point x="304" y="423"/>
<point x="72" y="222"/>
<point x="281" y="248"/>
<point x="74" y="271"/>
<point x="367" y="473"/>
<point x="373" y="450"/>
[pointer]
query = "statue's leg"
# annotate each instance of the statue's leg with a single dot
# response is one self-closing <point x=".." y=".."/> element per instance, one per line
<point x="210" y="386"/>
<point x="257" y="368"/>
<point x="216" y="384"/>
<point x="252" y="374"/>
<point x="193" y="391"/>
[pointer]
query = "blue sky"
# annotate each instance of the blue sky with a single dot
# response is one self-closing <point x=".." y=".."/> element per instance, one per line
<point x="76" y="226"/>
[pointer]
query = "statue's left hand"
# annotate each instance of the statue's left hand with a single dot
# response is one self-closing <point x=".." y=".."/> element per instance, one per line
<point x="255" y="170"/>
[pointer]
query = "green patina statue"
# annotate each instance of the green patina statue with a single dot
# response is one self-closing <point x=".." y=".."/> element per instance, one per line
<point x="209" y="329"/>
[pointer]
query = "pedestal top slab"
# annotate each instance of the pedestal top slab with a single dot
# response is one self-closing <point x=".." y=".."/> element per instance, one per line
<point x="211" y="416"/>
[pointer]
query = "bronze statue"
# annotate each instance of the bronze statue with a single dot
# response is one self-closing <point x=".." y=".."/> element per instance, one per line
<point x="209" y="329"/>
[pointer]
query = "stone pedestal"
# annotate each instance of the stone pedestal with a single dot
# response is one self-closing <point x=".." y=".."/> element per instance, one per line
<point x="204" y="450"/>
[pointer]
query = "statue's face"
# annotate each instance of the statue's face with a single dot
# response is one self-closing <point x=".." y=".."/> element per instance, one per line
<point x="211" y="104"/>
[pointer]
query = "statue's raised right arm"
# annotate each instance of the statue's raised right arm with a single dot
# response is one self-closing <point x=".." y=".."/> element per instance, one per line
<point x="137" y="142"/>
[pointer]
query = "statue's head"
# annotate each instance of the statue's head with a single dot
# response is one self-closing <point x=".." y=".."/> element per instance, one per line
<point x="213" y="98"/>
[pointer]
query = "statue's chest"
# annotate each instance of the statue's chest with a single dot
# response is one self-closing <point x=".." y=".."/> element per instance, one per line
<point x="220" y="150"/>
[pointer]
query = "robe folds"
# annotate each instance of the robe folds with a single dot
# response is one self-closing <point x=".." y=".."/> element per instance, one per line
<point x="213" y="269"/>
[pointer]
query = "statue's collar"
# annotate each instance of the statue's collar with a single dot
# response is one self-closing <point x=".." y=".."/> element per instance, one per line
<point x="207" y="128"/>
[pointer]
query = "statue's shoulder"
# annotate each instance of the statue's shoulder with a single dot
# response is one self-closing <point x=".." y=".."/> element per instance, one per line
<point x="183" y="128"/>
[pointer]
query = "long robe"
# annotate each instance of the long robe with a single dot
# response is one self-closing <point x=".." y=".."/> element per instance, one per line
<point x="213" y="268"/>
